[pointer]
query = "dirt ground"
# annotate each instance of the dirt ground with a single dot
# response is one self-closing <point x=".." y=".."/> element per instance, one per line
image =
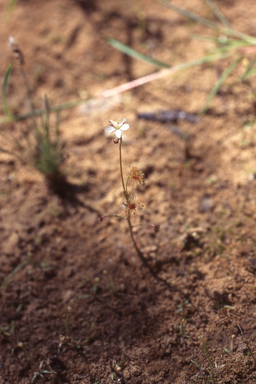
<point x="129" y="325"/>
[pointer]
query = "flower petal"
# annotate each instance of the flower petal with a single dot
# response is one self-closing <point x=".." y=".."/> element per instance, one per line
<point x="118" y="133"/>
<point x="109" y="129"/>
<point x="114" y="123"/>
<point x="124" y="120"/>
<point x="125" y="127"/>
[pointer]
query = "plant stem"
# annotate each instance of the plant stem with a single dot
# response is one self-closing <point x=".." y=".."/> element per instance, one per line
<point x="29" y="356"/>
<point x="140" y="254"/>
<point x="182" y="327"/>
<point x="32" y="106"/>
<point x="121" y="167"/>
<point x="126" y="195"/>
<point x="111" y="284"/>
<point x="67" y="317"/>
<point x="247" y="343"/>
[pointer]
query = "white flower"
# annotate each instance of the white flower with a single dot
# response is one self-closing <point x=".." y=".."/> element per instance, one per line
<point x="117" y="128"/>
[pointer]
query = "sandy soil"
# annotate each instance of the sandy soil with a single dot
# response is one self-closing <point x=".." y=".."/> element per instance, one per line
<point x="132" y="324"/>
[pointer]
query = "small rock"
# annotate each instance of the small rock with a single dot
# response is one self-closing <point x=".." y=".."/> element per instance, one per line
<point x="206" y="204"/>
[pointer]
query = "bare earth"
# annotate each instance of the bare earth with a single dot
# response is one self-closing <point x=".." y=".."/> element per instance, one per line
<point x="130" y="326"/>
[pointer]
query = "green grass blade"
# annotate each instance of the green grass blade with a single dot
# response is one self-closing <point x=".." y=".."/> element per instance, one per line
<point x="219" y="83"/>
<point x="221" y="41"/>
<point x="189" y="15"/>
<point x="219" y="14"/>
<point x="240" y="35"/>
<point x="127" y="86"/>
<point x="57" y="124"/>
<point x="226" y="350"/>
<point x="5" y="84"/>
<point x="251" y="73"/>
<point x="229" y="47"/>
<point x="248" y="69"/>
<point x="231" y="32"/>
<point x="196" y="364"/>
<point x="9" y="277"/>
<point x="40" y="112"/>
<point x="10" y="8"/>
<point x="137" y="55"/>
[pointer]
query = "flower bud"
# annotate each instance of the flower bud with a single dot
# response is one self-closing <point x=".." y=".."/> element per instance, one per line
<point x="16" y="50"/>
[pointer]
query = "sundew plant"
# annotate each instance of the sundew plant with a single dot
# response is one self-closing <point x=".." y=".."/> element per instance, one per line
<point x="130" y="205"/>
